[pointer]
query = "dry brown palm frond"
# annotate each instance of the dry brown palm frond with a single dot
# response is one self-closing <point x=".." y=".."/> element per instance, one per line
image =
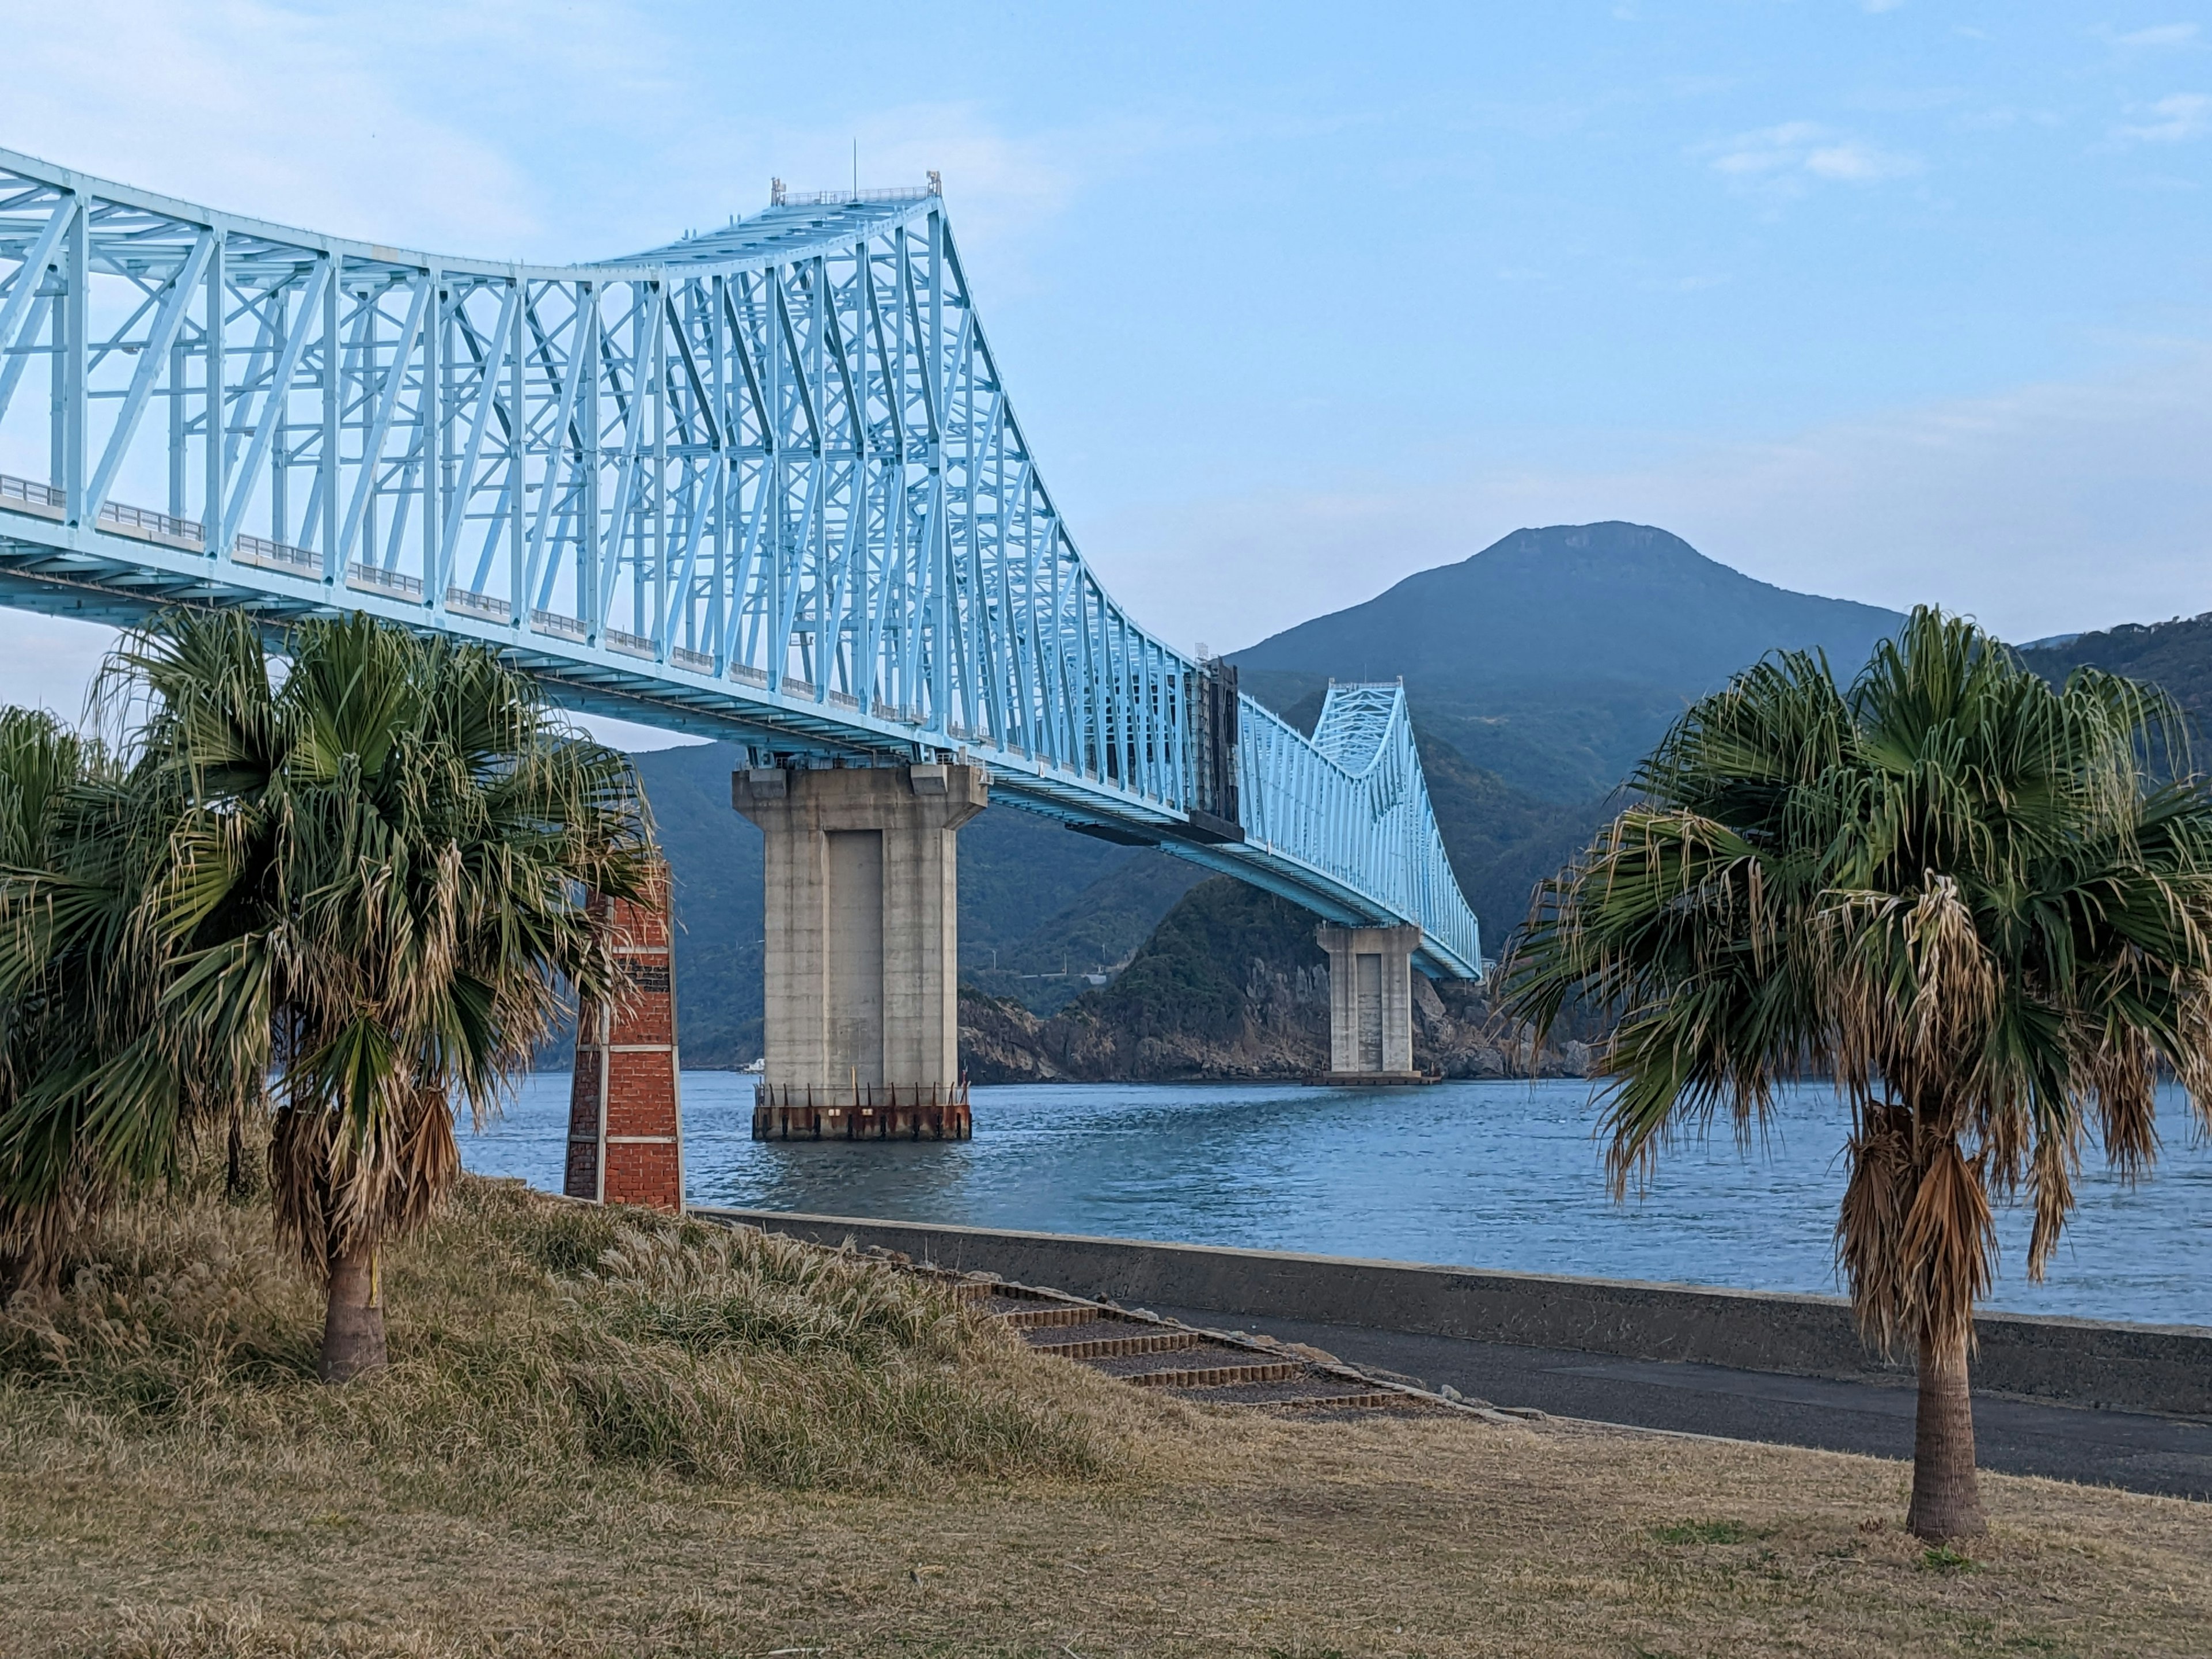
<point x="1910" y="990"/>
<point x="1870" y="1224"/>
<point x="1949" y="1245"/>
<point x="2192" y="1056"/>
<point x="2057" y="1159"/>
<point x="2120" y="1079"/>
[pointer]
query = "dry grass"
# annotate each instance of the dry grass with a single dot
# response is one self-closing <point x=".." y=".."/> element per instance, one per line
<point x="534" y="1343"/>
<point x="657" y="1440"/>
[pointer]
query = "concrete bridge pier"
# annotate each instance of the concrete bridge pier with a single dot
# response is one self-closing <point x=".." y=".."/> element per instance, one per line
<point x="863" y="1030"/>
<point x="1371" y="1003"/>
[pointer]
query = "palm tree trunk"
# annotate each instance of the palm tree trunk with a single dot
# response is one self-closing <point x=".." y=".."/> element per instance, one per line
<point x="1947" y="1497"/>
<point x="353" y="1322"/>
<point x="234" y="1182"/>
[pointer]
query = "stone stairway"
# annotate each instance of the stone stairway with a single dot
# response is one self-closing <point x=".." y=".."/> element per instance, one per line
<point x="1234" y="1369"/>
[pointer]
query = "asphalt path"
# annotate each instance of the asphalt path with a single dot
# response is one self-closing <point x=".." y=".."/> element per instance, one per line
<point x="2131" y="1450"/>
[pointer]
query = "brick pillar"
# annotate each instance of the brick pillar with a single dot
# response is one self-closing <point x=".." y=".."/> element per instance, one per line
<point x="625" y="1116"/>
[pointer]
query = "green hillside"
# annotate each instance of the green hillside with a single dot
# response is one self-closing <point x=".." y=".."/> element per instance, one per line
<point x="1189" y="978"/>
<point x="1501" y="838"/>
<point x="1095" y="930"/>
<point x="2175" y="656"/>
<point x="1040" y="906"/>
<point x="1573" y="603"/>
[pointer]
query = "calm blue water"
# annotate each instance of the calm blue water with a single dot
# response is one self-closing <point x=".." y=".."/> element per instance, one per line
<point x="1488" y="1174"/>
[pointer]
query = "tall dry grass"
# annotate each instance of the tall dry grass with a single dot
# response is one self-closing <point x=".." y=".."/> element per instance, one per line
<point x="534" y="1342"/>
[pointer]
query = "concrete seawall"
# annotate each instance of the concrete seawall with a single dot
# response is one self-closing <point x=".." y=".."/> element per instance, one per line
<point x="2144" y="1368"/>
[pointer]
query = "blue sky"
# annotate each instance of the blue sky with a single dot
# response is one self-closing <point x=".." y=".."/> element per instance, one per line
<point x="1879" y="298"/>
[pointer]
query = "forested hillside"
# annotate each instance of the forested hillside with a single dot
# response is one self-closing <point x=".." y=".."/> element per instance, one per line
<point x="1230" y="985"/>
<point x="2175" y="656"/>
<point x="1538" y="671"/>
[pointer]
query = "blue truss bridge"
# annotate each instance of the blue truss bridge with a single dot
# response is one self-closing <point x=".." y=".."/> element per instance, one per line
<point x="764" y="483"/>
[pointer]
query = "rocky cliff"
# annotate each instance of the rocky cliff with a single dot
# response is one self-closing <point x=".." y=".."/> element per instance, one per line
<point x="1230" y="986"/>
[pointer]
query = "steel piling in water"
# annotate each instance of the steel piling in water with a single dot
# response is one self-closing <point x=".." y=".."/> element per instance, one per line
<point x="788" y="1112"/>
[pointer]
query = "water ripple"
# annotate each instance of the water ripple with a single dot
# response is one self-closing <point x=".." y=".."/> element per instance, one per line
<point x="1488" y="1175"/>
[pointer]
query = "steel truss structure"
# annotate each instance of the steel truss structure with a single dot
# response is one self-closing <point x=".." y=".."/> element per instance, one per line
<point x="763" y="484"/>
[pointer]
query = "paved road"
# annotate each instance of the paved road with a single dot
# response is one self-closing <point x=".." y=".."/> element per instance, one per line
<point x="2132" y="1449"/>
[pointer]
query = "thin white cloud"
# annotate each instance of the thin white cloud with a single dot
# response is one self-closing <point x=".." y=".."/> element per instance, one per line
<point x="274" y="111"/>
<point x="1856" y="163"/>
<point x="498" y="129"/>
<point x="2171" y="120"/>
<point x="2160" y="36"/>
<point x="1780" y="158"/>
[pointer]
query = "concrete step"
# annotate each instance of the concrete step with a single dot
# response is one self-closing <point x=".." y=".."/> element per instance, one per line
<point x="1207" y="1369"/>
<point x="1298" y="1395"/>
<point x="1103" y="1346"/>
<point x="1034" y="1317"/>
<point x="1216" y="1376"/>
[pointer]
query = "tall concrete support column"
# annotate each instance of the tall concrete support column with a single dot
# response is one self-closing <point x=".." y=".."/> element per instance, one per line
<point x="1371" y="1002"/>
<point x="625" y="1107"/>
<point x="863" y="1026"/>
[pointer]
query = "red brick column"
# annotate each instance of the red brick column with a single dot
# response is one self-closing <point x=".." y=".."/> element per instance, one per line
<point x="625" y="1115"/>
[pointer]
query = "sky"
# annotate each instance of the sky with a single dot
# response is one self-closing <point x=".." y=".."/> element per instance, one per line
<point x="1884" y="298"/>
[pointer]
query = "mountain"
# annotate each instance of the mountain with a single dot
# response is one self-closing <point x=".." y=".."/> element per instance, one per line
<point x="1501" y="838"/>
<point x="1622" y="603"/>
<point x="1555" y="658"/>
<point x="1538" y="672"/>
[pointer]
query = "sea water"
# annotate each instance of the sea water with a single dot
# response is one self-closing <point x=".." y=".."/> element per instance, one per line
<point x="1498" y="1175"/>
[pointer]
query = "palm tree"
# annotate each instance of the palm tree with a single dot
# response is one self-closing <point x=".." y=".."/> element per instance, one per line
<point x="45" y="767"/>
<point x="1978" y="904"/>
<point x="360" y="866"/>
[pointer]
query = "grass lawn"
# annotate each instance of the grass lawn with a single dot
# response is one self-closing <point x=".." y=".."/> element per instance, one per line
<point x="607" y="1435"/>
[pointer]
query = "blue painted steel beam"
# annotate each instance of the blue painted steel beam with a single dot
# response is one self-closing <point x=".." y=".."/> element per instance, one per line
<point x="764" y="483"/>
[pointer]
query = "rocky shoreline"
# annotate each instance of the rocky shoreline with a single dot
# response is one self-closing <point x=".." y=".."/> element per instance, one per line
<point x="1282" y="1033"/>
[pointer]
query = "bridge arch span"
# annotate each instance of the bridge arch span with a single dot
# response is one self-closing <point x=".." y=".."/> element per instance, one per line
<point x="764" y="483"/>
